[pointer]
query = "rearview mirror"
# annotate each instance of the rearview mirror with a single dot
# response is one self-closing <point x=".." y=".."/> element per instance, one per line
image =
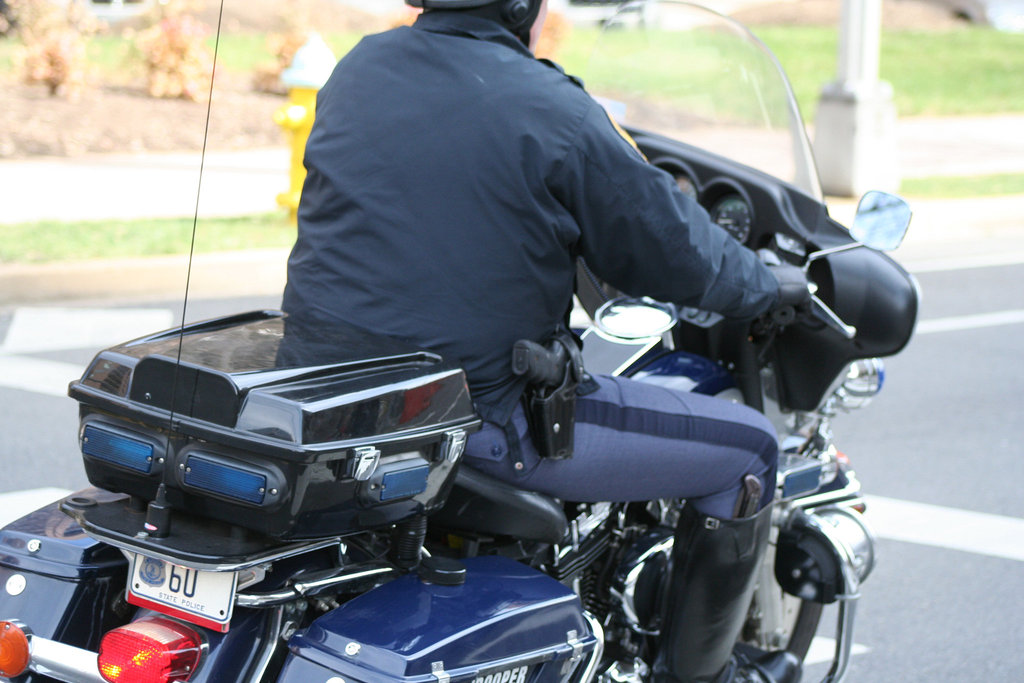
<point x="881" y="221"/>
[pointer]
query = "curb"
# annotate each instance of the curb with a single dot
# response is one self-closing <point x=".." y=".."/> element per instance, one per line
<point x="242" y="273"/>
<point x="940" y="227"/>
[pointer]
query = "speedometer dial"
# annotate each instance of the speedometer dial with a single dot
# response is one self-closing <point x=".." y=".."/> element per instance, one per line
<point x="734" y="214"/>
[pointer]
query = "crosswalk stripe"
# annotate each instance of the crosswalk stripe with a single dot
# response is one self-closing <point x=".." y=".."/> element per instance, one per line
<point x="970" y="322"/>
<point x="17" y="504"/>
<point x="48" y="377"/>
<point x="942" y="527"/>
<point x="823" y="649"/>
<point x="35" y="330"/>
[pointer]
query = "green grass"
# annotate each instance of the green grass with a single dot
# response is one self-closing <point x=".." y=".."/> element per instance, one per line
<point x="646" y="68"/>
<point x="952" y="187"/>
<point x="7" y="48"/>
<point x="60" y="241"/>
<point x="971" y="70"/>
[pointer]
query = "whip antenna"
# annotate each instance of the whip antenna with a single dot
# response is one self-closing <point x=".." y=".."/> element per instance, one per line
<point x="195" y="216"/>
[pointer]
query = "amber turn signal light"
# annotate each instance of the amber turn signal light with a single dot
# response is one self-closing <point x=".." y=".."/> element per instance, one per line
<point x="14" y="653"/>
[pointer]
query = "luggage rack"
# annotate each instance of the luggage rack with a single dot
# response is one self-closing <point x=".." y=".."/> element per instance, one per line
<point x="196" y="542"/>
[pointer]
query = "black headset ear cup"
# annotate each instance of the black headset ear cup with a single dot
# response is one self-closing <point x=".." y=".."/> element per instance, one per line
<point x="515" y="12"/>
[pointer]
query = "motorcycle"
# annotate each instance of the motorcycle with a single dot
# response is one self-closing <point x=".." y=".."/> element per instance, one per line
<point x="277" y="503"/>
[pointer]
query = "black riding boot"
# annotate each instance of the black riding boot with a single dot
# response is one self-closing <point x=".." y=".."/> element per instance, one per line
<point x="714" y="563"/>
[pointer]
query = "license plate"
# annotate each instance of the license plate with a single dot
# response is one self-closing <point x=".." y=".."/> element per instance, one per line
<point x="200" y="597"/>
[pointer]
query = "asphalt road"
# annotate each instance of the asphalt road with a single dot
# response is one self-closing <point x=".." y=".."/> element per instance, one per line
<point x="947" y="431"/>
<point x="940" y="448"/>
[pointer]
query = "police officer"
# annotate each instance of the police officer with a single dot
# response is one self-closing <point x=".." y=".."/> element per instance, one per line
<point x="453" y="181"/>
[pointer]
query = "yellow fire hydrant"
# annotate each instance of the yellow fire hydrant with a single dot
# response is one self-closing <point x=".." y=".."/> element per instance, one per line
<point x="309" y="70"/>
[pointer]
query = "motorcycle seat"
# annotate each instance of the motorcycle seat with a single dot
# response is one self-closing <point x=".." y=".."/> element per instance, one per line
<point x="481" y="504"/>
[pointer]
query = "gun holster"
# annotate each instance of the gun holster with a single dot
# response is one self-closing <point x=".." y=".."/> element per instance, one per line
<point x="550" y="401"/>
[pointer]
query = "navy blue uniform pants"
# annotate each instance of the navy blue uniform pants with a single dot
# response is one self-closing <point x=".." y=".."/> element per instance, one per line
<point x="638" y="441"/>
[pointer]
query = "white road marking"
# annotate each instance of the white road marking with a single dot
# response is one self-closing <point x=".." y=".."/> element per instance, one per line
<point x="34" y="330"/>
<point x="942" y="527"/>
<point x="971" y="322"/>
<point x="823" y="649"/>
<point x="39" y="376"/>
<point x="938" y="264"/>
<point x="19" y="503"/>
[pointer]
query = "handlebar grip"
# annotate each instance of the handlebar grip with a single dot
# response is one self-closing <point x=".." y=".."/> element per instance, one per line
<point x="538" y="364"/>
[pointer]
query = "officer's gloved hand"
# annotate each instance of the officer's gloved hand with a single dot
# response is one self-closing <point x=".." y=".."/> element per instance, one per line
<point x="794" y="294"/>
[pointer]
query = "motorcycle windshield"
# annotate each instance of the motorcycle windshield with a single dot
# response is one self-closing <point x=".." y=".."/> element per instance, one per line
<point x="698" y="77"/>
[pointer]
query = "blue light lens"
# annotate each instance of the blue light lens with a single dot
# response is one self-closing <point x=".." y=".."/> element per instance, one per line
<point x="112" y="447"/>
<point x="801" y="481"/>
<point x="404" y="483"/>
<point x="217" y="477"/>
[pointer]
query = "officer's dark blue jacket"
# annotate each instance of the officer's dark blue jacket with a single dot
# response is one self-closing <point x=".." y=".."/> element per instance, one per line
<point x="453" y="180"/>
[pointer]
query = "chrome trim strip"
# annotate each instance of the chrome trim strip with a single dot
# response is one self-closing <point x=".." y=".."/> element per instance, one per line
<point x="829" y="317"/>
<point x="433" y="432"/>
<point x="595" y="657"/>
<point x="846" y="496"/>
<point x="816" y="255"/>
<point x="844" y="641"/>
<point x="63" y="662"/>
<point x="271" y="640"/>
<point x="438" y="672"/>
<point x="571" y="665"/>
<point x="364" y="462"/>
<point x="302" y="589"/>
<point x="454" y="445"/>
<point x="265" y="558"/>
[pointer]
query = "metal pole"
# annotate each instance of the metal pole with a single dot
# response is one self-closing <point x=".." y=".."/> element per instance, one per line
<point x="855" y="136"/>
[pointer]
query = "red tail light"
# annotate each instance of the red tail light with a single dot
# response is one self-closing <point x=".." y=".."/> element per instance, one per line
<point x="153" y="650"/>
<point x="14" y="651"/>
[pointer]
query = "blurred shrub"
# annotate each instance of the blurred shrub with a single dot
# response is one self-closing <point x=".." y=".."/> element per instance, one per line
<point x="178" y="62"/>
<point x="283" y="47"/>
<point x="296" y="22"/>
<point x="6" y="18"/>
<point x="53" y="44"/>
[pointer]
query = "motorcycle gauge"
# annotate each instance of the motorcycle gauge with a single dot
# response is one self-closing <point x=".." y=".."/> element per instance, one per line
<point x="734" y="214"/>
<point x="686" y="186"/>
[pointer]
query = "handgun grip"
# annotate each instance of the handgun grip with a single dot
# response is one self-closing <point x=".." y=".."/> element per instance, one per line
<point x="538" y="364"/>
